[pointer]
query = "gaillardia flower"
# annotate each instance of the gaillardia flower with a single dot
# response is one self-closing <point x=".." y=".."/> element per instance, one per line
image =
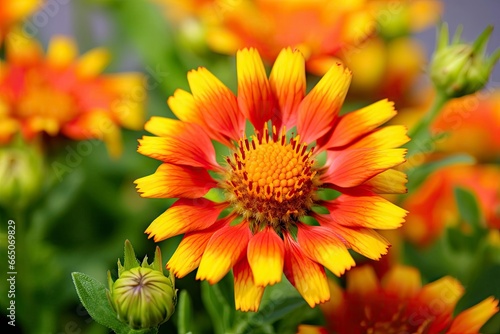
<point x="398" y="303"/>
<point x="277" y="212"/>
<point x="60" y="94"/>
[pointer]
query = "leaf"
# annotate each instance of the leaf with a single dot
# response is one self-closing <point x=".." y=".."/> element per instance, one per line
<point x="92" y="294"/>
<point x="469" y="208"/>
<point x="270" y="312"/>
<point x="185" y="314"/>
<point x="218" y="307"/>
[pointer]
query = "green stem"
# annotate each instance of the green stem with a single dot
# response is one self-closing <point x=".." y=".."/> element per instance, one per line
<point x="419" y="134"/>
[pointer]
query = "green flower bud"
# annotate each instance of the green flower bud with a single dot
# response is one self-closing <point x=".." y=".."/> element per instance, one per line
<point x="21" y="168"/>
<point x="142" y="296"/>
<point x="459" y="69"/>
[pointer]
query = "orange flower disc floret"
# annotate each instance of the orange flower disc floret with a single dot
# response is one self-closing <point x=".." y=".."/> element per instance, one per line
<point x="270" y="179"/>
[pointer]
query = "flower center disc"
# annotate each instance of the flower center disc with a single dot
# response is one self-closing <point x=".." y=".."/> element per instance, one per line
<point x="271" y="180"/>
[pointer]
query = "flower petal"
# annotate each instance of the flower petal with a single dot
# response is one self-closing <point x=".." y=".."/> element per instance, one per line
<point x="365" y="211"/>
<point x="62" y="51"/>
<point x="129" y="108"/>
<point x="22" y="48"/>
<point x="402" y="281"/>
<point x="184" y="107"/>
<point x="216" y="103"/>
<point x="364" y="241"/>
<point x="266" y="257"/>
<point x="318" y="110"/>
<point x="247" y="295"/>
<point x="360" y="122"/>
<point x="305" y="275"/>
<point x="389" y="182"/>
<point x="351" y="168"/>
<point x="225" y="248"/>
<point x="311" y="329"/>
<point x="187" y="256"/>
<point x="438" y="299"/>
<point x="255" y="98"/>
<point x="180" y="143"/>
<point x="362" y="281"/>
<point x="171" y="181"/>
<point x="92" y="63"/>
<point x="472" y="319"/>
<point x="288" y="83"/>
<point x="323" y="246"/>
<point x="185" y="215"/>
<point x="387" y="137"/>
<point x="448" y="289"/>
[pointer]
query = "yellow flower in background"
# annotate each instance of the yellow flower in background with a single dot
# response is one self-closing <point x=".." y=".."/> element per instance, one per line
<point x="12" y="12"/>
<point x="433" y="206"/>
<point x="398" y="303"/>
<point x="63" y="94"/>
<point x="297" y="157"/>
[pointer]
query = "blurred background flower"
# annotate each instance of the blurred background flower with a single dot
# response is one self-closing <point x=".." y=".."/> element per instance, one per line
<point x="398" y="303"/>
<point x="60" y="94"/>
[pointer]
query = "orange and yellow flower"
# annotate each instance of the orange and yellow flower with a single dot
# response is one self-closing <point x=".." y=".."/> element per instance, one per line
<point x="12" y="12"/>
<point x="276" y="211"/>
<point x="398" y="303"/>
<point x="62" y="94"/>
<point x="433" y="206"/>
<point x="319" y="28"/>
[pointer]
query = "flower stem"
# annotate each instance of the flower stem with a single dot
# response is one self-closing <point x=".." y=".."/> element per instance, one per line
<point x="420" y="134"/>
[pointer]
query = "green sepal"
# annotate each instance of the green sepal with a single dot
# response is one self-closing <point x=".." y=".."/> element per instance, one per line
<point x="129" y="258"/>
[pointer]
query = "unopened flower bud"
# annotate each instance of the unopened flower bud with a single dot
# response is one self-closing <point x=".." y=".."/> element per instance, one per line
<point x="142" y="296"/>
<point x="21" y="168"/>
<point x="459" y="69"/>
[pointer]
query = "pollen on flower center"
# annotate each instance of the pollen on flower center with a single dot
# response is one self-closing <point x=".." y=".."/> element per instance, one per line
<point x="271" y="179"/>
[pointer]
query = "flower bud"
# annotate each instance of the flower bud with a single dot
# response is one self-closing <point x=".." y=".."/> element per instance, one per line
<point x="21" y="168"/>
<point x="459" y="69"/>
<point x="142" y="296"/>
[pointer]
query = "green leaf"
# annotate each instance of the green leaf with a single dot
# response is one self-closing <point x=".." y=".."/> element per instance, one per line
<point x="270" y="312"/>
<point x="185" y="314"/>
<point x="92" y="294"/>
<point x="218" y="307"/>
<point x="469" y="208"/>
